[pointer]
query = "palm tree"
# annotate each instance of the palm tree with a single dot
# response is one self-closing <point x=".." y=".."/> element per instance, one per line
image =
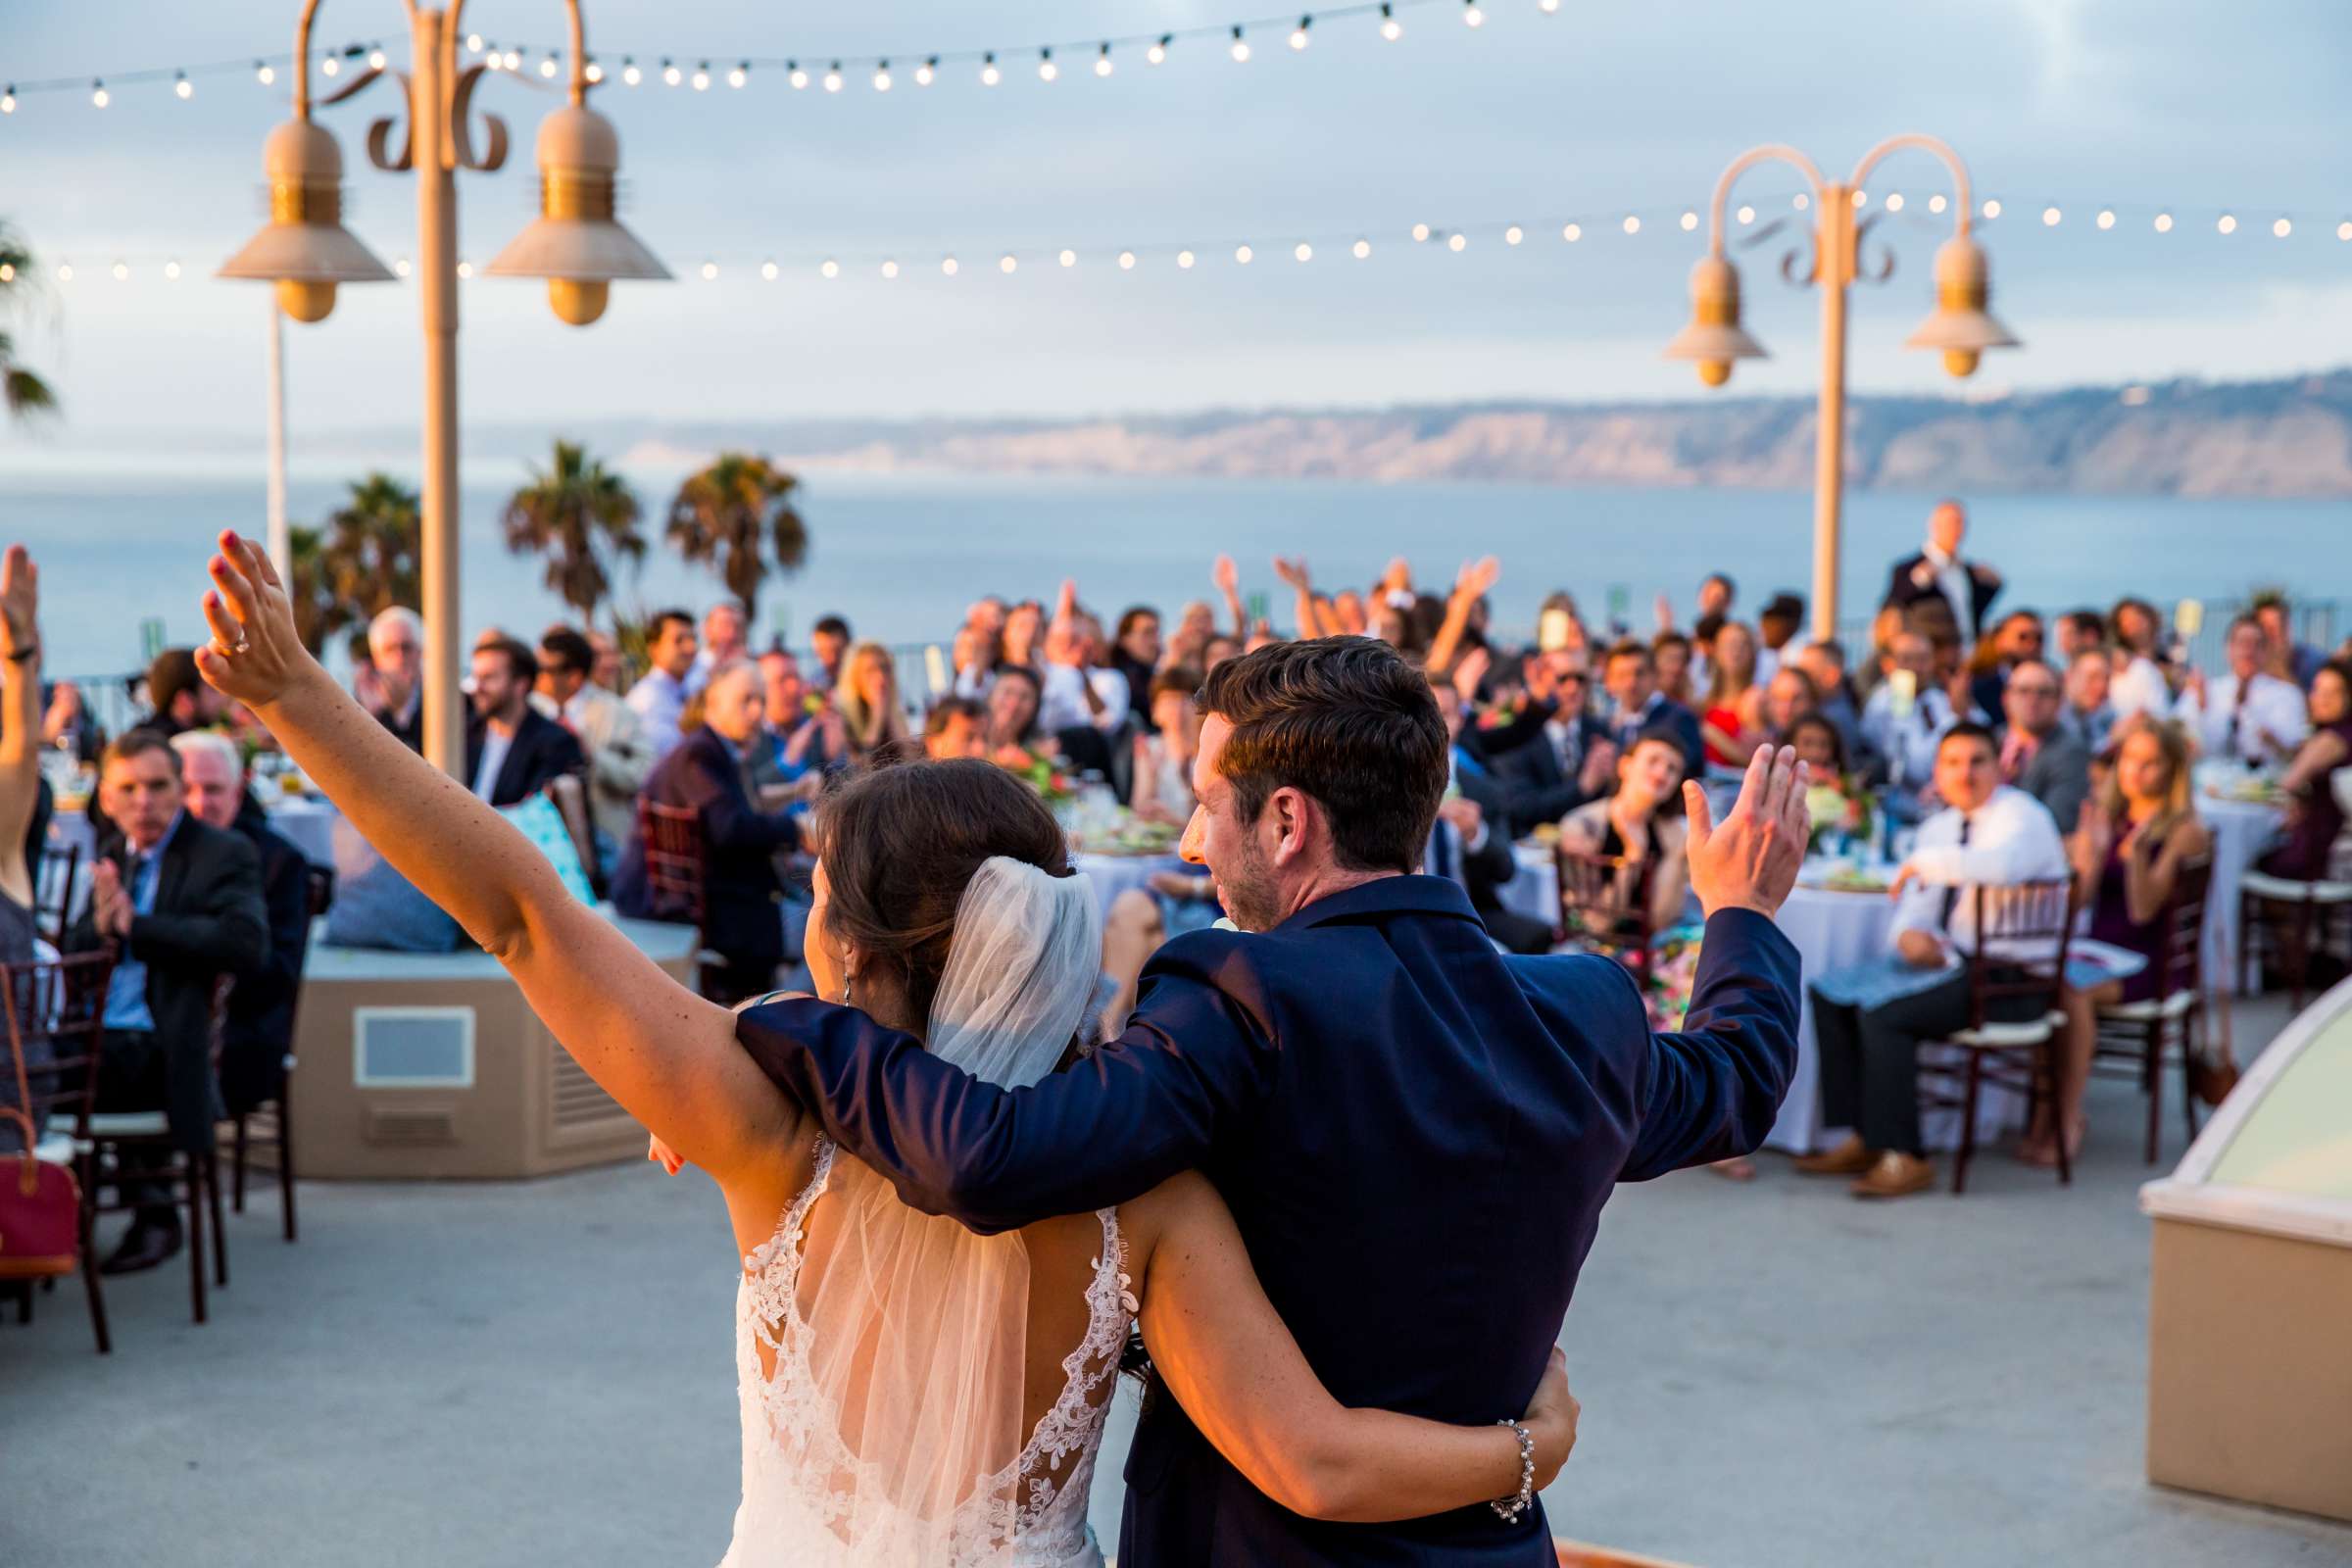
<point x="365" y="558"/>
<point x="731" y="513"/>
<point x="582" y="517"/>
<point x="22" y="392"/>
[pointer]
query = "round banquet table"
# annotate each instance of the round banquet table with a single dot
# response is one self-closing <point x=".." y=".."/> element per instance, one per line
<point x="1832" y="931"/>
<point x="2242" y="830"/>
<point x="1113" y="874"/>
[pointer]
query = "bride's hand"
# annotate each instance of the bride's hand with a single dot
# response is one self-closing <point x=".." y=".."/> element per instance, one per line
<point x="20" y="601"/>
<point x="1551" y="1420"/>
<point x="254" y="655"/>
<point x="661" y="1155"/>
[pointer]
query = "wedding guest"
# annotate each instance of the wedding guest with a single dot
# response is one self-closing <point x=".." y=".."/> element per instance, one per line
<point x="67" y="726"/>
<point x="1641" y="817"/>
<point x="1024" y="629"/>
<point x="1163" y="755"/>
<point x="1215" y="652"/>
<point x="866" y="690"/>
<point x="610" y="734"/>
<point x="512" y="751"/>
<point x="1908" y="714"/>
<point x="829" y="639"/>
<point x="2016" y="639"/>
<point x="801" y="730"/>
<point x="955" y="727"/>
<point x="660" y="696"/>
<point x="178" y="696"/>
<point x="1990" y="835"/>
<point x="2285" y="657"/>
<point x="181" y="903"/>
<point x="1821" y="746"/>
<point x="1013" y="737"/>
<point x="723" y="642"/>
<point x="2080" y="631"/>
<point x="2139" y="685"/>
<point x="1669" y="651"/>
<point x="1729" y="718"/>
<point x="1834" y="698"/>
<point x="1629" y="677"/>
<point x="2315" y="817"/>
<point x="1777" y="626"/>
<point x="1790" y="693"/>
<point x="607" y="671"/>
<point x="2086" y="715"/>
<point x="1081" y="692"/>
<point x="1938" y="572"/>
<point x="1572" y="759"/>
<point x="391" y="685"/>
<point x="1135" y="652"/>
<point x="24" y="818"/>
<point x="1470" y="843"/>
<point x="2037" y="755"/>
<point x="2128" y="849"/>
<point x="260" y="1008"/>
<point x="975" y="655"/>
<point x="2249" y="715"/>
<point x="742" y="895"/>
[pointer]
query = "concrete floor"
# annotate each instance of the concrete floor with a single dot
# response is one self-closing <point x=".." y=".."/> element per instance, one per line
<point x="542" y="1372"/>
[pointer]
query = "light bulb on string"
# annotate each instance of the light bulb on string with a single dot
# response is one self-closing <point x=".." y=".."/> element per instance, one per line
<point x="1068" y="258"/>
<point x="1937" y="203"/>
<point x="702" y="76"/>
<point x="592" y="71"/>
<point x="890" y="269"/>
<point x="2050" y="216"/>
<point x="1991" y="207"/>
<point x="1158" y="54"/>
<point x="671" y="75"/>
<point x="1632" y="225"/>
<point x="1361" y="249"/>
<point x="948" y="267"/>
<point x="8" y="271"/>
<point x="882" y="77"/>
<point x="400" y="266"/>
<point x="375" y="59"/>
<point x="262" y="73"/>
<point x="1800" y="201"/>
<point x="1572" y="232"/>
<point x="1456" y="242"/>
<point x="927" y="73"/>
<point x="98" y="96"/>
<point x="794" y="75"/>
<point x="1747" y="214"/>
<point x="1184" y="260"/>
<point x="1390" y="28"/>
<point x="1126" y="261"/>
<point x="122" y="273"/>
<point x="1548" y="6"/>
<point x="65" y="271"/>
<point x="2106" y="219"/>
<point x="547" y="68"/>
<point x="1007" y="263"/>
<point x="1244" y="255"/>
<point x="496" y="61"/>
<point x="2164" y="222"/>
<point x="1894" y="201"/>
<point x="831" y="268"/>
<point x="184" y="87"/>
<point x="990" y="75"/>
<point x="1513" y="234"/>
<point x="1472" y="16"/>
<point x="473" y="43"/>
<point x="1299" y="38"/>
<point x="769" y="271"/>
<point x="709" y="271"/>
<point x="740" y="75"/>
<point x="1861" y="199"/>
<point x="2343" y="230"/>
<point x="513" y="60"/>
<point x="464" y="269"/>
<point x="2227" y="224"/>
<point x="171" y="272"/>
<point x="1689" y="221"/>
<point x="630" y="75"/>
<point x="1303" y="252"/>
<point x="833" y="76"/>
<point x="8" y="100"/>
<point x="1420" y="233"/>
<point x="1046" y="69"/>
<point x="1241" y="46"/>
<point x="328" y="65"/>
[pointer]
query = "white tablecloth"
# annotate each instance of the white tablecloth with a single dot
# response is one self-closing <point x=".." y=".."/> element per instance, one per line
<point x="309" y="821"/>
<point x="2240" y="829"/>
<point x="1533" y="890"/>
<point x="1113" y="874"/>
<point x="1832" y="930"/>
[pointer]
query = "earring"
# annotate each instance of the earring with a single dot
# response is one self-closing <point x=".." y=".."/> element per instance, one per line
<point x="849" y="988"/>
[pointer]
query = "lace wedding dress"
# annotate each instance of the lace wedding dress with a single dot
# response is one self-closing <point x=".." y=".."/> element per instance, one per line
<point x="880" y="1353"/>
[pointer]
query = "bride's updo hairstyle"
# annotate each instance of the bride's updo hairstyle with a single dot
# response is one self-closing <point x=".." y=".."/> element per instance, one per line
<point x="900" y="845"/>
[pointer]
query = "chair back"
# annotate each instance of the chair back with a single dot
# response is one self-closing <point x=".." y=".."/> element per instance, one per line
<point x="53" y="892"/>
<point x="2180" y="963"/>
<point x="673" y="837"/>
<point x="569" y="793"/>
<point x="2038" y="917"/>
<point x="1604" y="904"/>
<point x="320" y="886"/>
<point x="55" y="1009"/>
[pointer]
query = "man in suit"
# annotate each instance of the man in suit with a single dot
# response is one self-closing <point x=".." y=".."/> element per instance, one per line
<point x="1631" y="676"/>
<point x="1416" y="1133"/>
<point x="181" y="903"/>
<point x="179" y="695"/>
<point x="1470" y="843"/>
<point x="1938" y="572"/>
<point x="261" y="1009"/>
<point x="610" y="734"/>
<point x="391" y="685"/>
<point x="742" y="896"/>
<point x="2038" y="754"/>
<point x="512" y="751"/>
<point x="1572" y="758"/>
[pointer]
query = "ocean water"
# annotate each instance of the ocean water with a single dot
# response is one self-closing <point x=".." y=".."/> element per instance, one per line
<point x="902" y="556"/>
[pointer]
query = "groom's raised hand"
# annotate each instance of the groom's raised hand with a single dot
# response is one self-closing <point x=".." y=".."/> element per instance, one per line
<point x="1749" y="859"/>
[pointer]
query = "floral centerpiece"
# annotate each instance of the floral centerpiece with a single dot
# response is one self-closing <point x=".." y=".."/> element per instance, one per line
<point x="1838" y="810"/>
<point x="1040" y="771"/>
<point x="1673" y="966"/>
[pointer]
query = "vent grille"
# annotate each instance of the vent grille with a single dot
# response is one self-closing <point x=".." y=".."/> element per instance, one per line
<point x="578" y="1100"/>
<point x="412" y="1129"/>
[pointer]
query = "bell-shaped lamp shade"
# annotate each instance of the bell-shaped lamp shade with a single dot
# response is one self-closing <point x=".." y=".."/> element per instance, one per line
<point x="1714" y="337"/>
<point x="305" y="249"/>
<point x="1961" y="328"/>
<point x="576" y="243"/>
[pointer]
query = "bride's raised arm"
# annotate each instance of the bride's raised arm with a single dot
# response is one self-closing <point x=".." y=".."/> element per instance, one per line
<point x="668" y="1057"/>
<point x="1235" y="1367"/>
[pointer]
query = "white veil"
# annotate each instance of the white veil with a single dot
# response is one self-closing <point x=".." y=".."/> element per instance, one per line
<point x="915" y="1333"/>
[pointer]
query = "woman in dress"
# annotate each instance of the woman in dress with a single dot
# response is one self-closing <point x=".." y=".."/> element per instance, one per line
<point x="1729" y="723"/>
<point x="1671" y="651"/>
<point x="869" y="704"/>
<point x="1642" y="819"/>
<point x="1163" y="757"/>
<point x="912" y="1395"/>
<point x="2139" y="685"/>
<point x="20" y="786"/>
<point x="2132" y="840"/>
<point x="2315" y="817"/>
<point x="1011" y="737"/>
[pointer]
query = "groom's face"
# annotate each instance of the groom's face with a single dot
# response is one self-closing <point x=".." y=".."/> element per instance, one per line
<point x="1219" y="838"/>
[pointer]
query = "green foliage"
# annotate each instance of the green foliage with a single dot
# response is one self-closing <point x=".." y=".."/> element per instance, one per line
<point x="367" y="556"/>
<point x="584" y="518"/>
<point x="737" y="518"/>
<point x="22" y="391"/>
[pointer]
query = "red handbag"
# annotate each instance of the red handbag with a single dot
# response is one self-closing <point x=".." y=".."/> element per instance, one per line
<point x="40" y="1204"/>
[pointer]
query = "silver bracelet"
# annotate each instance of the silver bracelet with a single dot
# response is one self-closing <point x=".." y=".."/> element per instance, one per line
<point x="1509" y="1509"/>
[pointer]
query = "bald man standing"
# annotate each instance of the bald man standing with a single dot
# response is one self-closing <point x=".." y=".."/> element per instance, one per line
<point x="1938" y="572"/>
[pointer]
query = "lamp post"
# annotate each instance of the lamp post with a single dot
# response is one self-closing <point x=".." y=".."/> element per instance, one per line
<point x="1959" y="325"/>
<point x="575" y="244"/>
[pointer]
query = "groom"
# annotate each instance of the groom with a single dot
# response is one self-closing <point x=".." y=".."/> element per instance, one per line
<point x="1415" y="1133"/>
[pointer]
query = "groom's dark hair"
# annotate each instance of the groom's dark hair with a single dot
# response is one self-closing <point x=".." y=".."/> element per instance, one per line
<point x="1347" y="721"/>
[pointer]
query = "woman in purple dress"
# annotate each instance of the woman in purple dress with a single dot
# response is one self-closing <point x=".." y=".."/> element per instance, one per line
<point x="2315" y="818"/>
<point x="2132" y="840"/>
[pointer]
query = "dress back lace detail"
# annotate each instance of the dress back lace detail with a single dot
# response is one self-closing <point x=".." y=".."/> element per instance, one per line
<point x="813" y="1499"/>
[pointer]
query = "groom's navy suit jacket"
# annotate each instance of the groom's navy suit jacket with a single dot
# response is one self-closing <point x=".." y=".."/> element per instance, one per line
<point x="1415" y="1133"/>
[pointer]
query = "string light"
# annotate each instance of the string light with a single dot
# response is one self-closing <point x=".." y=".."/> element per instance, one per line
<point x="65" y="271"/>
<point x="671" y="74"/>
<point x="547" y="69"/>
<point x="1299" y="33"/>
<point x="927" y="73"/>
<point x="513" y="60"/>
<point x="185" y="88"/>
<point x="882" y="77"/>
<point x="1068" y="258"/>
<point x="795" y="74"/>
<point x="1748" y="215"/>
<point x="1472" y="16"/>
<point x="328" y="65"/>
<point x="2343" y="230"/>
<point x="1303" y="252"/>
<point x="1420" y="233"/>
<point x="709" y="271"/>
<point x="1361" y="250"/>
<point x="1241" y="46"/>
<point x="1390" y="28"/>
<point x="1894" y="201"/>
<point x="1244" y="255"/>
<point x="98" y="98"/>
<point x="1548" y="6"/>
<point x="2227" y="224"/>
<point x="743" y="73"/>
<point x="1800" y="201"/>
<point x="833" y="76"/>
<point x="473" y="43"/>
<point x="948" y="267"/>
<point x="2283" y="228"/>
<point x="990" y="75"/>
<point x="592" y="71"/>
<point x="1513" y="234"/>
<point x="171" y="272"/>
<point x="1158" y="54"/>
<point x="2164" y="222"/>
<point x="1456" y="242"/>
<point x="1103" y="66"/>
<point x="1573" y="232"/>
<point x="496" y="61"/>
<point x="702" y="76"/>
<point x="464" y="269"/>
<point x="1937" y="203"/>
<point x="831" y="268"/>
<point x="1127" y="261"/>
<point x="890" y="269"/>
<point x="376" y="60"/>
<point x="1991" y="207"/>
<point x="122" y="273"/>
<point x="8" y="271"/>
<point x="1861" y="199"/>
<point x="1007" y="263"/>
<point x="1184" y="260"/>
<point x="1632" y="225"/>
<point x="767" y="270"/>
<point x="264" y="73"/>
<point x="1689" y="222"/>
<point x="1046" y="69"/>
<point x="400" y="266"/>
<point x="2106" y="218"/>
<point x="2049" y="217"/>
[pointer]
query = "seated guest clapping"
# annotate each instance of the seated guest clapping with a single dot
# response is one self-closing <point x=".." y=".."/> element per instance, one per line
<point x="977" y="650"/>
<point x="512" y="751"/>
<point x="869" y="698"/>
<point x="2128" y="849"/>
<point x="1986" y="835"/>
<point x="2314" y="815"/>
<point x="1635" y="704"/>
<point x="1570" y="760"/>
<point x="2086" y="715"/>
<point x="391" y="684"/>
<point x="2037" y="755"/>
<point x="2249" y="715"/>
<point x="1641" y="819"/>
<point x="740" y="893"/>
<point x="1907" y="715"/>
<point x="1013" y="739"/>
<point x="804" y="732"/>
<point x="1788" y="696"/>
<point x="1163" y="757"/>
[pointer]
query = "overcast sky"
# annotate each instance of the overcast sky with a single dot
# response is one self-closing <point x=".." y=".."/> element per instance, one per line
<point x="1596" y="111"/>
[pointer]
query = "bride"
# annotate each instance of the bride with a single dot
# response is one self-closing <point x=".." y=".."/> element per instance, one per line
<point x="911" y="1394"/>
